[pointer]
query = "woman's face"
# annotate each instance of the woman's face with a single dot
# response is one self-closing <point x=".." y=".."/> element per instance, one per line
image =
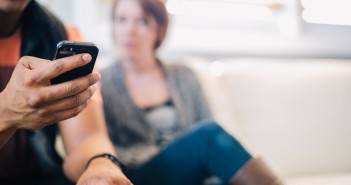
<point x="135" y="33"/>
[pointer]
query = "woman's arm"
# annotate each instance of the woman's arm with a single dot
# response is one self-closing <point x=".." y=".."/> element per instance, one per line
<point x="85" y="136"/>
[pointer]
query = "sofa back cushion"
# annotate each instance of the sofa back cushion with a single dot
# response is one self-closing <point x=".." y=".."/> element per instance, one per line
<point x="296" y="113"/>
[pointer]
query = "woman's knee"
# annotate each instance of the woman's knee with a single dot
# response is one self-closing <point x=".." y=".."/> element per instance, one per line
<point x="212" y="133"/>
<point x="209" y="128"/>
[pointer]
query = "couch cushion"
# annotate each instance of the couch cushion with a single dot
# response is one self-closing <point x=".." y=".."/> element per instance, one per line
<point x="324" y="179"/>
<point x="296" y="113"/>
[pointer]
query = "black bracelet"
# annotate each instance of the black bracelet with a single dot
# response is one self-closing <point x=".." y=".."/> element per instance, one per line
<point x="112" y="158"/>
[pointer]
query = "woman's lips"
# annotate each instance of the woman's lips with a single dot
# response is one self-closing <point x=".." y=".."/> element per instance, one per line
<point x="129" y="44"/>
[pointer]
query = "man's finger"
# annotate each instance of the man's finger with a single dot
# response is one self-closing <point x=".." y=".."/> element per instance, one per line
<point x="64" y="90"/>
<point x="32" y="63"/>
<point x="57" y="67"/>
<point x="66" y="114"/>
<point x="67" y="103"/>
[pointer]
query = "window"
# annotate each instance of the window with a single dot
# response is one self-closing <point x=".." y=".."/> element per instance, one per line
<point x="245" y="10"/>
<point x="333" y="12"/>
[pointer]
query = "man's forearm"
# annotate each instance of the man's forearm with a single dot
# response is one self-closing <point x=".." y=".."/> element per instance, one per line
<point x="5" y="135"/>
<point x="5" y="130"/>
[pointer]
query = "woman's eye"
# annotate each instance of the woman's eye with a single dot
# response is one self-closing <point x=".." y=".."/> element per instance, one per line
<point x="142" y="22"/>
<point x="121" y="19"/>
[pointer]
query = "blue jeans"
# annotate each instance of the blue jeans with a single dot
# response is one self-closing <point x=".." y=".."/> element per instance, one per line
<point x="203" y="151"/>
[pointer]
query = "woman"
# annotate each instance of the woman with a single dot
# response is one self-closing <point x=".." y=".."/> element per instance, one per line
<point x="151" y="109"/>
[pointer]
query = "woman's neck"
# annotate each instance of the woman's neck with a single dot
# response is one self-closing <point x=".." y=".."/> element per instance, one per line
<point x="139" y="65"/>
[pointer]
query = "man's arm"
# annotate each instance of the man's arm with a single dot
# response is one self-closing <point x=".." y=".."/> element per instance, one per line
<point x="5" y="132"/>
<point x="85" y="136"/>
<point x="30" y="102"/>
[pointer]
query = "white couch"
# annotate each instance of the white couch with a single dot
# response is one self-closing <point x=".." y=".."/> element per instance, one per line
<point x="295" y="113"/>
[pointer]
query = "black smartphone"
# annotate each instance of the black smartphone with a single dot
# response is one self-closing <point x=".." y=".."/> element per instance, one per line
<point x="70" y="48"/>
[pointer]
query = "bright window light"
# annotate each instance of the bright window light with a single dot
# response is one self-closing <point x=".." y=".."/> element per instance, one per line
<point x="248" y="10"/>
<point x="335" y="12"/>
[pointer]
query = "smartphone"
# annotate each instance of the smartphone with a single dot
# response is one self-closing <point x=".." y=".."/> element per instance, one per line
<point x="70" y="48"/>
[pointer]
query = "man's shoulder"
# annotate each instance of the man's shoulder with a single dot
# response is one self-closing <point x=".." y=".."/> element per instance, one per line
<point x="41" y="31"/>
<point x="73" y="33"/>
<point x="37" y="13"/>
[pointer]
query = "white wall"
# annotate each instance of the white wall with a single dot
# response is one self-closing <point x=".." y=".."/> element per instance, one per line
<point x="284" y="36"/>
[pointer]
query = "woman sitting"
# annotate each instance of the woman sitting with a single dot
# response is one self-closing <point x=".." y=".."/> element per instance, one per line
<point x="157" y="115"/>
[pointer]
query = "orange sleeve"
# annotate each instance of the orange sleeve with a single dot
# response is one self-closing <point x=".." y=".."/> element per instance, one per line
<point x="74" y="35"/>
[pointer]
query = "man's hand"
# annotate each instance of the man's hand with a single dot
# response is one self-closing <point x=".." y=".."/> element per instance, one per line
<point x="102" y="171"/>
<point x="30" y="101"/>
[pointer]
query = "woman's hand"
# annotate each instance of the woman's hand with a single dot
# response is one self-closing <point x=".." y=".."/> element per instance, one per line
<point x="102" y="171"/>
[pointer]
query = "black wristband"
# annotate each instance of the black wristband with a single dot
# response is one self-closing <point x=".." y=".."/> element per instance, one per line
<point x="112" y="158"/>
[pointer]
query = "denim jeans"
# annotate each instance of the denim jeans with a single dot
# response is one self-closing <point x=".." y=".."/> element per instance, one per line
<point x="203" y="151"/>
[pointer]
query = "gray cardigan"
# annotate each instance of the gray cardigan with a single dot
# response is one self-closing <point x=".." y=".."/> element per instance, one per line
<point x="128" y="129"/>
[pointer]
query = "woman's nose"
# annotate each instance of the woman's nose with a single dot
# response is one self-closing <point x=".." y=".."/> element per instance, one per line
<point x="130" y="28"/>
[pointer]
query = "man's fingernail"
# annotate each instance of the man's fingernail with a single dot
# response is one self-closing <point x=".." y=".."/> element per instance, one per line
<point x="97" y="77"/>
<point x="86" y="57"/>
